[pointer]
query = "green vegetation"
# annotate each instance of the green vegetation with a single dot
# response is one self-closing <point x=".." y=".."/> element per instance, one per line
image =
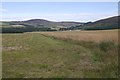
<point x="106" y="46"/>
<point x="33" y="55"/>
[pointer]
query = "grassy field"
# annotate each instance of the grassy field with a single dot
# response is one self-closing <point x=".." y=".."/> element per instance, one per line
<point x="96" y="35"/>
<point x="72" y="54"/>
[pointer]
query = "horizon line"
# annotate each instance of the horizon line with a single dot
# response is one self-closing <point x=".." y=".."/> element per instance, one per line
<point x="58" y="21"/>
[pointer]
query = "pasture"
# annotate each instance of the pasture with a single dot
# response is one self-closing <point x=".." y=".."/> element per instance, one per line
<point x="63" y="54"/>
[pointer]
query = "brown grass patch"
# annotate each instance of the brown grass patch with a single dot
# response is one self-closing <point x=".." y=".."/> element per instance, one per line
<point x="96" y="36"/>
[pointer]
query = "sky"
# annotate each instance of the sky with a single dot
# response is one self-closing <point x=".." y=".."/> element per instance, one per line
<point x="58" y="11"/>
<point x="60" y="0"/>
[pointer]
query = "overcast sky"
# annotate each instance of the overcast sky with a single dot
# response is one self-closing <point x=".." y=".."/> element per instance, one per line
<point x="58" y="11"/>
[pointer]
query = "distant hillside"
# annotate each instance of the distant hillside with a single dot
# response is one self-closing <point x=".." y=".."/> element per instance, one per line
<point x="109" y="23"/>
<point x="44" y="23"/>
<point x="36" y="25"/>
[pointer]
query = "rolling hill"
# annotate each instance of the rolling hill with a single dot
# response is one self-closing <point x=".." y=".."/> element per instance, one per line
<point x="45" y="25"/>
<point x="109" y="23"/>
<point x="36" y="25"/>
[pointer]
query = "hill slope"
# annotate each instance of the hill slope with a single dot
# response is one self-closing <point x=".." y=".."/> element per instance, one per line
<point x="109" y="23"/>
<point x="35" y="25"/>
<point x="45" y="23"/>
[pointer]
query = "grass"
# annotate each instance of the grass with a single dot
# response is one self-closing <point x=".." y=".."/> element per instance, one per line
<point x="106" y="46"/>
<point x="34" y="55"/>
<point x="93" y="36"/>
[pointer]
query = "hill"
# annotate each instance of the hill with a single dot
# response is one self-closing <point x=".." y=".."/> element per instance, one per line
<point x="36" y="25"/>
<point x="109" y="23"/>
<point x="45" y="23"/>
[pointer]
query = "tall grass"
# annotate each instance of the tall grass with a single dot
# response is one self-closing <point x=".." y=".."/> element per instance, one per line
<point x="104" y="54"/>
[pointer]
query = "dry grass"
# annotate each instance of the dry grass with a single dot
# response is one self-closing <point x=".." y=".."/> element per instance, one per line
<point x="96" y="36"/>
